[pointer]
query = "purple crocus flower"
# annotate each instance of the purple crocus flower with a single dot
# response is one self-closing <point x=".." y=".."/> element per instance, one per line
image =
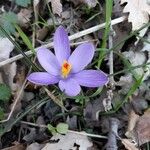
<point x="65" y="69"/>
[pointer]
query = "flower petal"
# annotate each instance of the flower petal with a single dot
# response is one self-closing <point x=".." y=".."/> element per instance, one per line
<point x="70" y="87"/>
<point x="81" y="57"/>
<point x="42" y="78"/>
<point x="91" y="78"/>
<point x="48" y="61"/>
<point x="61" y="45"/>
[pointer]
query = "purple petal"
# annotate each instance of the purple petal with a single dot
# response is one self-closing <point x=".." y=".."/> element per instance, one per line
<point x="81" y="57"/>
<point x="70" y="87"/>
<point x="48" y="61"/>
<point x="91" y="78"/>
<point x="61" y="45"/>
<point x="42" y="78"/>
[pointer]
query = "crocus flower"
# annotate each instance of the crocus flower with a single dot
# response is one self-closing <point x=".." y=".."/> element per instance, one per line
<point x="65" y="69"/>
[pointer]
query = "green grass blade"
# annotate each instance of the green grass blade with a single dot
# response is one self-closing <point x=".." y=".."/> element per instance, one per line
<point x="19" y="49"/>
<point x="25" y="39"/>
<point x="128" y="65"/>
<point x="109" y="5"/>
<point x="97" y="92"/>
<point x="8" y="126"/>
<point x="130" y="93"/>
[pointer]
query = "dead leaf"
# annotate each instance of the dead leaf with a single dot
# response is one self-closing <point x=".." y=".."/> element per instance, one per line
<point x="36" y="2"/>
<point x="66" y="14"/>
<point x="9" y="71"/>
<point x="129" y="145"/>
<point x="147" y="45"/>
<point x="5" y="48"/>
<point x="35" y="146"/>
<point x="92" y="110"/>
<point x="42" y="33"/>
<point x="31" y="136"/>
<point x="137" y="58"/>
<point x="140" y="131"/>
<point x="56" y="6"/>
<point x="67" y="142"/>
<point x="24" y="17"/>
<point x="139" y="11"/>
<point x="125" y="82"/>
<point x="133" y="117"/>
<point x="17" y="146"/>
<point x="90" y="3"/>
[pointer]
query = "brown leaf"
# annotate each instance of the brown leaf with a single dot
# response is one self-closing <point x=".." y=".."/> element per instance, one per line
<point x="41" y="33"/>
<point x="24" y="17"/>
<point x="132" y="122"/>
<point x="17" y="146"/>
<point x="35" y="146"/>
<point x="139" y="11"/>
<point x="128" y="144"/>
<point x="90" y="3"/>
<point x="68" y="141"/>
<point x="142" y="129"/>
<point x="139" y="131"/>
<point x="56" y="7"/>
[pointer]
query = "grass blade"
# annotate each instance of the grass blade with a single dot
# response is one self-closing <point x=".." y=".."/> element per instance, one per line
<point x="109" y="5"/>
<point x="25" y="39"/>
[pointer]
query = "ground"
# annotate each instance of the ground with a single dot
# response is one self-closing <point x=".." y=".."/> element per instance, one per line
<point x="112" y="116"/>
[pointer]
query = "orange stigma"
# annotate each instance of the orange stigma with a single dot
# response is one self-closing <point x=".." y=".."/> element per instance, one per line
<point x="65" y="69"/>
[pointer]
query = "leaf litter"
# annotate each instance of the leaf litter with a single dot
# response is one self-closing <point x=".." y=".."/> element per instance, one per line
<point x="110" y="117"/>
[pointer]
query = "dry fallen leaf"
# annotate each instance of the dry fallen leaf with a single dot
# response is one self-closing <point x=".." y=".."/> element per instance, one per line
<point x="35" y="146"/>
<point x="24" y="17"/>
<point x="41" y="33"/>
<point x="6" y="48"/>
<point x="139" y="11"/>
<point x="9" y="71"/>
<point x="141" y="130"/>
<point x="125" y="82"/>
<point x="17" y="146"/>
<point x="56" y="6"/>
<point x="90" y="3"/>
<point x="147" y="45"/>
<point x="129" y="145"/>
<point x="132" y="122"/>
<point x="67" y="142"/>
<point x="136" y="58"/>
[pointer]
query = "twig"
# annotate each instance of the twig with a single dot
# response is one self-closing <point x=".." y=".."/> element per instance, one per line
<point x="78" y="43"/>
<point x="35" y="9"/>
<point x="55" y="99"/>
<point x="72" y="37"/>
<point x="15" y="103"/>
<point x="111" y="64"/>
<point x="71" y="131"/>
<point x="112" y="141"/>
<point x="88" y="134"/>
<point x="24" y="83"/>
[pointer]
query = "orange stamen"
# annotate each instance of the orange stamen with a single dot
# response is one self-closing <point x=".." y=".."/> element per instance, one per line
<point x="65" y="69"/>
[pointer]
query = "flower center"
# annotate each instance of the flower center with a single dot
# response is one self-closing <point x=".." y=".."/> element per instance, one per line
<point x="65" y="69"/>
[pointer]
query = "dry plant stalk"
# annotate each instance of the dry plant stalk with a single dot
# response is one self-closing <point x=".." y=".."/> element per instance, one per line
<point x="72" y="37"/>
<point x="112" y="141"/>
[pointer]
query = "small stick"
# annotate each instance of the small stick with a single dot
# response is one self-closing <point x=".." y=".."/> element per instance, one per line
<point x="55" y="99"/>
<point x="71" y="131"/>
<point x="112" y="140"/>
<point x="72" y="37"/>
<point x="15" y="103"/>
<point x="111" y="64"/>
